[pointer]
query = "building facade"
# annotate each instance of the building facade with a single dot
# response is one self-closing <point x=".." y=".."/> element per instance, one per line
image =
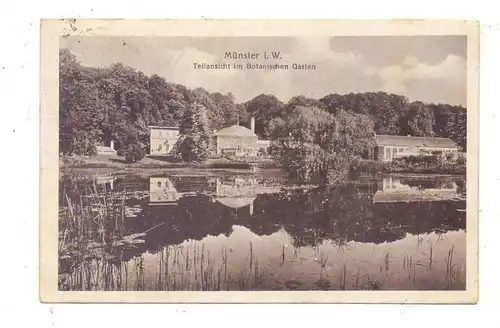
<point x="162" y="139"/>
<point x="235" y="140"/>
<point x="238" y="140"/>
<point x="389" y="147"/>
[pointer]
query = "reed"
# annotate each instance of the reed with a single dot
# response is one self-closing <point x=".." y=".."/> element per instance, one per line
<point x="92" y="237"/>
<point x="296" y="252"/>
<point x="211" y="273"/>
<point x="356" y="281"/>
<point x="322" y="261"/>
<point x="342" y="278"/>
<point x="224" y="260"/>
<point x="251" y="256"/>
<point x="451" y="269"/>
<point x="282" y="258"/>
<point x="430" y="256"/>
<point x="90" y="225"/>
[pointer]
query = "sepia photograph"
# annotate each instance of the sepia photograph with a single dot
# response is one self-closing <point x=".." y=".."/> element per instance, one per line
<point x="259" y="161"/>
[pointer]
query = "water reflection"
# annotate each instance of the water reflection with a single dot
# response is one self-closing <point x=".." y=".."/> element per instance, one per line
<point x="392" y="189"/>
<point x="162" y="191"/>
<point x="246" y="233"/>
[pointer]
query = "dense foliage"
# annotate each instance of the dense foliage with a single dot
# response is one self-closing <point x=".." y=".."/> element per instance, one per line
<point x="134" y="153"/>
<point x="118" y="103"/>
<point x="194" y="141"/>
<point x="312" y="144"/>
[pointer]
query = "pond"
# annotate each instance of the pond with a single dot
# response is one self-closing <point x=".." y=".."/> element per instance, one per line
<point x="252" y="232"/>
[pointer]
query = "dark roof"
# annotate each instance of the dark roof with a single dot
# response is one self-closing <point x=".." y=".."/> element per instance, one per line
<point x="408" y="141"/>
<point x="164" y="127"/>
<point x="235" y="131"/>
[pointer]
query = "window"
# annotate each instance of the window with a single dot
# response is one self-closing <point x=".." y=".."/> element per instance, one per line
<point x="388" y="153"/>
<point x="159" y="147"/>
<point x="393" y="184"/>
<point x="159" y="183"/>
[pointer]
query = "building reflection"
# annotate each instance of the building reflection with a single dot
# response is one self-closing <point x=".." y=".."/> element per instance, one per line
<point x="162" y="191"/>
<point x="231" y="192"/>
<point x="236" y="193"/>
<point x="392" y="189"/>
<point x="107" y="181"/>
<point x="241" y="192"/>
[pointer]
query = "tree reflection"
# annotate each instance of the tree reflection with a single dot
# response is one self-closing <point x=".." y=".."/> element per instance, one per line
<point x="338" y="214"/>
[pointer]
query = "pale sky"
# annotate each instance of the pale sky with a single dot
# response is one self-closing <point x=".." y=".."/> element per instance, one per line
<point x="426" y="68"/>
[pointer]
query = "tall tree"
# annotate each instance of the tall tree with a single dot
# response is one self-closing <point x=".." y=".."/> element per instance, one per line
<point x="224" y="111"/>
<point x="316" y="145"/>
<point x="457" y="129"/>
<point x="300" y="101"/>
<point x="79" y="103"/>
<point x="418" y="120"/>
<point x="385" y="110"/>
<point x="264" y="108"/>
<point x="194" y="141"/>
<point x="442" y="115"/>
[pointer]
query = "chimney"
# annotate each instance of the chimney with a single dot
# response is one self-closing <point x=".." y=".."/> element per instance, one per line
<point x="112" y="144"/>
<point x="252" y="124"/>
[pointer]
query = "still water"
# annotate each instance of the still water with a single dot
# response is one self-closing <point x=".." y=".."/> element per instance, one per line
<point x="245" y="232"/>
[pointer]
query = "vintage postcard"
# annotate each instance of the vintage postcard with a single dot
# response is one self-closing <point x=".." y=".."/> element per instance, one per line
<point x="259" y="161"/>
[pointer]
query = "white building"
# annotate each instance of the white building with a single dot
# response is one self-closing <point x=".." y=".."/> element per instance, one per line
<point x="162" y="139"/>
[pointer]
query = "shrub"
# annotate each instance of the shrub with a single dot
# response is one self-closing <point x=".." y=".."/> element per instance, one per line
<point x="416" y="161"/>
<point x="405" y="166"/>
<point x="356" y="164"/>
<point x="461" y="159"/>
<point x="261" y="152"/>
<point x="449" y="157"/>
<point x="369" y="166"/>
<point x="191" y="149"/>
<point x="134" y="153"/>
<point x="66" y="160"/>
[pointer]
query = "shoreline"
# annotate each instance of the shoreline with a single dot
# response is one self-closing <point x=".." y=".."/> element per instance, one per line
<point x="222" y="166"/>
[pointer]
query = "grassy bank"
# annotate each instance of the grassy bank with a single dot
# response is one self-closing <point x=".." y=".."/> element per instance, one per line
<point x="118" y="163"/>
<point x="369" y="167"/>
